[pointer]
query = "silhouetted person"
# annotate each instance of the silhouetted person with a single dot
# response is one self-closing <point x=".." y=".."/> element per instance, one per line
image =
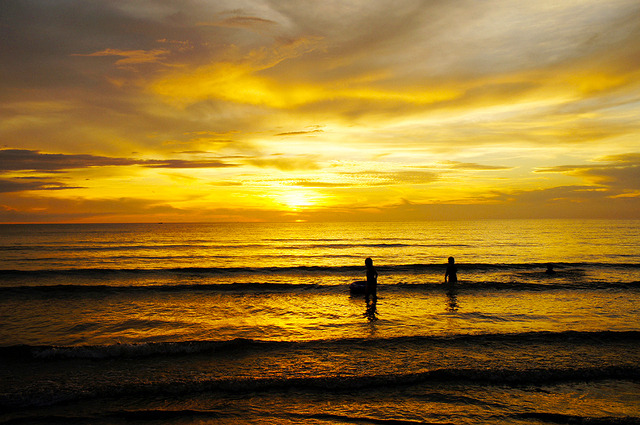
<point x="550" y="269"/>
<point x="452" y="272"/>
<point x="372" y="281"/>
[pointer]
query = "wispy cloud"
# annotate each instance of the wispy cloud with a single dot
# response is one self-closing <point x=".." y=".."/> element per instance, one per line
<point x="390" y="178"/>
<point x="472" y="166"/>
<point x="18" y="185"/>
<point x="300" y="133"/>
<point x="130" y="57"/>
<point x="306" y="162"/>
<point x="620" y="172"/>
<point x="250" y="22"/>
<point x="30" y="160"/>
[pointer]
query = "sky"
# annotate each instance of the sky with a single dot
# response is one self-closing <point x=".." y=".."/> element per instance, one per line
<point x="354" y="110"/>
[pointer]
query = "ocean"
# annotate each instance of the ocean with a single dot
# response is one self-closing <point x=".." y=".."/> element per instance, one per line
<point x="254" y="323"/>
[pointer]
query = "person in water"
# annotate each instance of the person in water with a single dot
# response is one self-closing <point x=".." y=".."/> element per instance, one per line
<point x="452" y="272"/>
<point x="372" y="281"/>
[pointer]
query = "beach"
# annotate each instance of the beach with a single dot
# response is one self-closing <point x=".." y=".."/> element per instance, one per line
<point x="254" y="323"/>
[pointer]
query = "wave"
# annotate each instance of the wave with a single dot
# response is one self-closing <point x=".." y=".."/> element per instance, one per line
<point x="375" y="382"/>
<point x="137" y="350"/>
<point x="395" y="268"/>
<point x="331" y="287"/>
<point x="90" y="289"/>
<point x="333" y="383"/>
<point x="546" y="417"/>
<point x="522" y="271"/>
<point x="561" y="418"/>
<point x="208" y="245"/>
<point x="326" y="279"/>
<point x="186" y="270"/>
<point x="210" y="415"/>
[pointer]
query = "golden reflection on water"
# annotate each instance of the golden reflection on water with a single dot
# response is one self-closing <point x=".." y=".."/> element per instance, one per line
<point x="308" y="316"/>
<point x="452" y="299"/>
<point x="313" y="305"/>
<point x="313" y="314"/>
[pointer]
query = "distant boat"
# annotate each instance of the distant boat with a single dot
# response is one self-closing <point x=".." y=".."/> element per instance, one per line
<point x="358" y="287"/>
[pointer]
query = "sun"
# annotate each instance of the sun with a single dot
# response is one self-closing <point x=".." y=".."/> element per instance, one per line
<point x="297" y="199"/>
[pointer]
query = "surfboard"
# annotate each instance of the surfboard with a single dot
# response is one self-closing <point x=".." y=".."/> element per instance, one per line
<point x="358" y="287"/>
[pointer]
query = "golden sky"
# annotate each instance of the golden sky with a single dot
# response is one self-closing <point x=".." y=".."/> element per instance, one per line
<point x="256" y="110"/>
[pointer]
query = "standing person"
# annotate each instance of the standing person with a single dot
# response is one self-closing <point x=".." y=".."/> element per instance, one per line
<point x="372" y="281"/>
<point x="452" y="271"/>
<point x="550" y="269"/>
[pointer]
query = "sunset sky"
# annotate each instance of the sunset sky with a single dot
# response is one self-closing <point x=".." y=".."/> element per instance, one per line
<point x="239" y="110"/>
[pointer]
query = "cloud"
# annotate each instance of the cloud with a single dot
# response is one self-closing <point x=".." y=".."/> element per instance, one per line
<point x="7" y="186"/>
<point x="180" y="163"/>
<point x="131" y="57"/>
<point x="319" y="184"/>
<point x="241" y="80"/>
<point x="472" y="166"/>
<point x="51" y="209"/>
<point x="31" y="160"/>
<point x="391" y="178"/>
<point x="249" y="22"/>
<point x="40" y="40"/>
<point x="617" y="172"/>
<point x="222" y="85"/>
<point x="300" y="133"/>
<point x="361" y="180"/>
<point x="306" y="162"/>
<point x="577" y="194"/>
<point x="22" y="159"/>
<point x="626" y="158"/>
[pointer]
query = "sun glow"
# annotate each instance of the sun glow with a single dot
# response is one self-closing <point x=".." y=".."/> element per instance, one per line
<point x="241" y="83"/>
<point x="296" y="199"/>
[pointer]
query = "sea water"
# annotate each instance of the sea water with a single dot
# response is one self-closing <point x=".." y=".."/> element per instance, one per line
<point x="254" y="323"/>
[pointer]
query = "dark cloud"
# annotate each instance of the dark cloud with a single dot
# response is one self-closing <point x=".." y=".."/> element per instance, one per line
<point x="621" y="178"/>
<point x="48" y="47"/>
<point x="39" y="38"/>
<point x="31" y="160"/>
<point x="50" y="209"/>
<point x="556" y="195"/>
<point x="358" y="50"/>
<point x="299" y="133"/>
<point x="179" y="163"/>
<point x="251" y="22"/>
<point x="16" y="185"/>
<point x="22" y="159"/>
<point x="618" y="172"/>
<point x="626" y="158"/>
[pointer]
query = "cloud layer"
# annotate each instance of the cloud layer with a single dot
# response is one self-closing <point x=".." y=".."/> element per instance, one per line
<point x="376" y="110"/>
